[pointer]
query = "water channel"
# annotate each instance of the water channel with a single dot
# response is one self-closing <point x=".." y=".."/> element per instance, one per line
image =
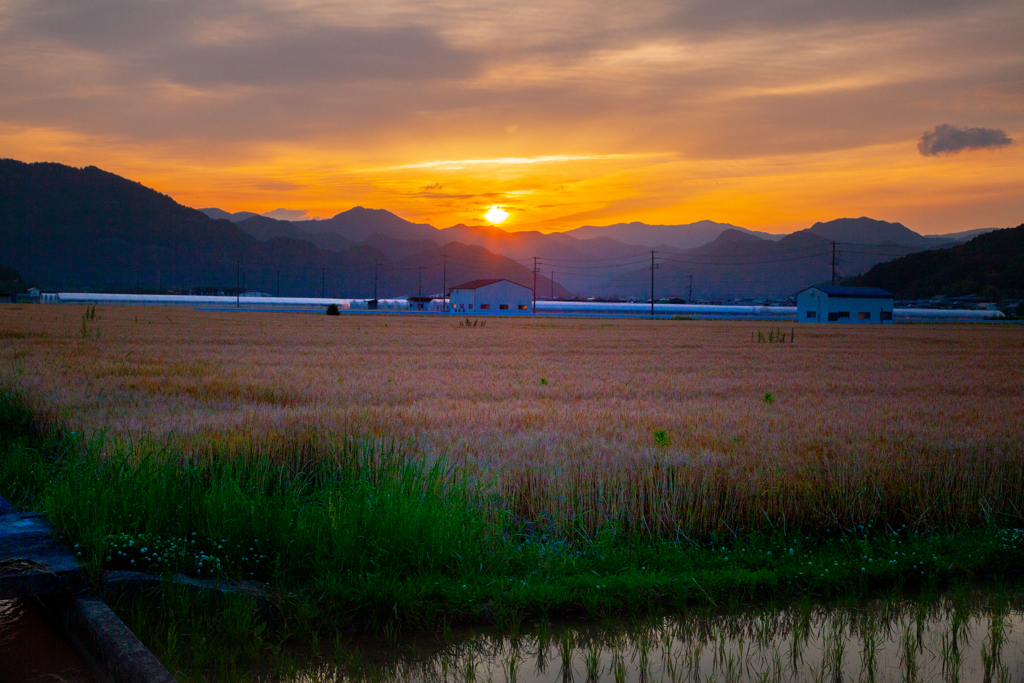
<point x="32" y="650"/>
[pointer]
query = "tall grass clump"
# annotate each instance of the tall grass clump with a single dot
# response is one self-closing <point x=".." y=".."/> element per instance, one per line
<point x="368" y="511"/>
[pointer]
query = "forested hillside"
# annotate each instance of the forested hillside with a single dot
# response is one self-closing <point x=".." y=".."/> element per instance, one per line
<point x="990" y="265"/>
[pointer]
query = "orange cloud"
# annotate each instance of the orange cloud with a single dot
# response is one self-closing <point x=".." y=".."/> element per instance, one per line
<point x="564" y="113"/>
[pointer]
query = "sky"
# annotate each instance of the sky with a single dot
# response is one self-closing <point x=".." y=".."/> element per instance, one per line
<point x="770" y="115"/>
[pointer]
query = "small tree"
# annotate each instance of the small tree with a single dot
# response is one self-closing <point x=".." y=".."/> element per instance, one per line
<point x="333" y="310"/>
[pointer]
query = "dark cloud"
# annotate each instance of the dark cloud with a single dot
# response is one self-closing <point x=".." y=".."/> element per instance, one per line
<point x="946" y="139"/>
<point x="204" y="73"/>
<point x="107" y="26"/>
<point x="234" y="43"/>
<point x="336" y="54"/>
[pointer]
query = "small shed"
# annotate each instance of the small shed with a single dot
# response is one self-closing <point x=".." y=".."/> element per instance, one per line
<point x="420" y="303"/>
<point x="822" y="304"/>
<point x="491" y="296"/>
<point x="31" y="296"/>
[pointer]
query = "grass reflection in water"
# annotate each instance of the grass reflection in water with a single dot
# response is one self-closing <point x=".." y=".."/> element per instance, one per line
<point x="958" y="637"/>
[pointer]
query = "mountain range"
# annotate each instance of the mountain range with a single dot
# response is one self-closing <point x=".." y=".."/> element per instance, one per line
<point x="702" y="260"/>
<point x="68" y="228"/>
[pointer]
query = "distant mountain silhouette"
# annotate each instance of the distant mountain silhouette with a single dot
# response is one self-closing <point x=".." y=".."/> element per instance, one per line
<point x="965" y="235"/>
<point x="65" y="228"/>
<point x="990" y="265"/>
<point x="86" y="229"/>
<point x="685" y="236"/>
<point x="738" y="265"/>
<point x="733" y="242"/>
<point x="263" y="228"/>
<point x="865" y="230"/>
<point x="218" y="214"/>
<point x="359" y="224"/>
<point x="525" y="244"/>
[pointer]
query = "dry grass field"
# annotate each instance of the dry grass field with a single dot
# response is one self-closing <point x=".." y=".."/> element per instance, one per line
<point x="558" y="417"/>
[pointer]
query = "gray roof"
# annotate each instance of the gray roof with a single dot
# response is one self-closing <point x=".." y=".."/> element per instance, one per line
<point x="854" y="292"/>
<point x="477" y="284"/>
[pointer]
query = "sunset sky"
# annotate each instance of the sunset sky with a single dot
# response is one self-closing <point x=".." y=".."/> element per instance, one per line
<point x="770" y="115"/>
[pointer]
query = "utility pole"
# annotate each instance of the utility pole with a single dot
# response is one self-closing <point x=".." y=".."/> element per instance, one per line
<point x="323" y="283"/>
<point x="652" y="284"/>
<point x="238" y="284"/>
<point x="833" y="264"/>
<point x="420" y="295"/>
<point x="552" y="285"/>
<point x="689" y="298"/>
<point x="376" y="268"/>
<point x="278" y="283"/>
<point x="444" y="283"/>
<point x="535" y="285"/>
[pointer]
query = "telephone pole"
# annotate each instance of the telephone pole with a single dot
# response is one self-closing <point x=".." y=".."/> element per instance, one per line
<point x="833" y="264"/>
<point x="652" y="285"/>
<point x="444" y="283"/>
<point x="323" y="283"/>
<point x="278" y="283"/>
<point x="376" y="269"/>
<point x="689" y="298"/>
<point x="420" y="295"/>
<point x="552" y="285"/>
<point x="238" y="283"/>
<point x="535" y="285"/>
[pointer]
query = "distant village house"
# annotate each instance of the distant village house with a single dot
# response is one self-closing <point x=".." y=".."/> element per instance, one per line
<point x="31" y="296"/>
<point x="491" y="296"/>
<point x="825" y="304"/>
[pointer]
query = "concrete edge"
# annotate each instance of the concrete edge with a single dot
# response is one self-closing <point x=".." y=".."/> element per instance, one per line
<point x="109" y="645"/>
<point x="6" y="508"/>
<point x="130" y="584"/>
<point x="114" y="650"/>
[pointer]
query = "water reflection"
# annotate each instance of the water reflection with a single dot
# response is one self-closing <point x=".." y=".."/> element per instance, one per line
<point x="950" y="640"/>
<point x="32" y="650"/>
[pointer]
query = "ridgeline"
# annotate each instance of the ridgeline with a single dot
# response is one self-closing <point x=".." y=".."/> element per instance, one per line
<point x="990" y="265"/>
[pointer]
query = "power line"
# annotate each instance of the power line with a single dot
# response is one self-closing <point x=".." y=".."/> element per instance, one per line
<point x="565" y="266"/>
<point x="746" y="263"/>
<point x="551" y="260"/>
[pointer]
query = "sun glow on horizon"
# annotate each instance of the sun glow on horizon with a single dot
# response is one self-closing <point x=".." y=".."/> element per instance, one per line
<point x="496" y="215"/>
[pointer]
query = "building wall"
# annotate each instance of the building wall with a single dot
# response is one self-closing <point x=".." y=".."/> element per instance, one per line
<point x="490" y="299"/>
<point x="857" y="310"/>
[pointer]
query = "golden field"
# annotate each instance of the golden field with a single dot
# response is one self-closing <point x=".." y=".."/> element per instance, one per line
<point x="891" y="425"/>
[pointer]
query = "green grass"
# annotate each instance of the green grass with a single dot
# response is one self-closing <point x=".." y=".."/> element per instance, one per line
<point x="372" y="538"/>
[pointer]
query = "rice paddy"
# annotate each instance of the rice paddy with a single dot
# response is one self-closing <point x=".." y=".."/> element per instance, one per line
<point x="958" y="636"/>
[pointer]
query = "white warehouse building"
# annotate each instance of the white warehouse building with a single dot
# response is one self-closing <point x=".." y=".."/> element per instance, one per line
<point x="491" y="296"/>
<point x="844" y="305"/>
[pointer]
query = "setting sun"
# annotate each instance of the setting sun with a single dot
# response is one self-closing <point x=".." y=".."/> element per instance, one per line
<point x="496" y="215"/>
